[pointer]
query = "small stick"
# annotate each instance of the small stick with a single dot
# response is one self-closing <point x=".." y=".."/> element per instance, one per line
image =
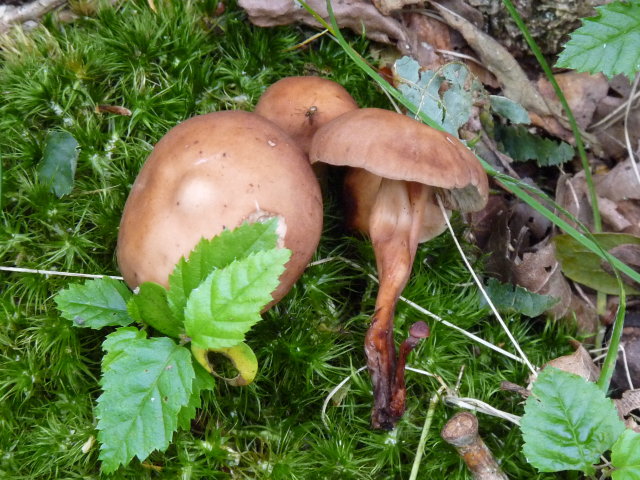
<point x="461" y="431"/>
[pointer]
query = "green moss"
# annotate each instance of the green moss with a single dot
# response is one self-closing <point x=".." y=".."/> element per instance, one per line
<point x="166" y="67"/>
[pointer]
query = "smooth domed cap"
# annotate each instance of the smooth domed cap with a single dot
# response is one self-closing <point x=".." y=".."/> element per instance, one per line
<point x="398" y="147"/>
<point x="210" y="173"/>
<point x="301" y="105"/>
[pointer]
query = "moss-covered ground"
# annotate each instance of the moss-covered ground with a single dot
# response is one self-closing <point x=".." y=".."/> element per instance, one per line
<point x="166" y="67"/>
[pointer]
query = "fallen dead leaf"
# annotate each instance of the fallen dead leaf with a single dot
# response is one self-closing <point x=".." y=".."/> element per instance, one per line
<point x="579" y="363"/>
<point x="630" y="401"/>
<point x="357" y="15"/>
<point x="540" y="272"/>
<point x="387" y="6"/>
<point x="583" y="92"/>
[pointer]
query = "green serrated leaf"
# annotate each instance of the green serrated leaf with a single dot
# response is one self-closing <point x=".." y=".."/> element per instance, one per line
<point x="146" y="383"/>
<point x="215" y="253"/>
<point x="59" y="160"/>
<point x="521" y="145"/>
<point x="583" y="266"/>
<point x="150" y="306"/>
<point x="228" y="303"/>
<point x="512" y="111"/>
<point x="568" y="423"/>
<point x="95" y="304"/>
<point x="515" y="299"/>
<point x="201" y="382"/>
<point x="606" y="43"/>
<point x="625" y="456"/>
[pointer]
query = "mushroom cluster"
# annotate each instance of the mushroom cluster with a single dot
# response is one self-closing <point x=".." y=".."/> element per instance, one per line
<point x="218" y="170"/>
<point x="397" y="167"/>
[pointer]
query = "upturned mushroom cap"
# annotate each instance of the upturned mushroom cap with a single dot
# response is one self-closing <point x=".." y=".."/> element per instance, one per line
<point x="211" y="173"/>
<point x="398" y="147"/>
<point x="301" y="105"/>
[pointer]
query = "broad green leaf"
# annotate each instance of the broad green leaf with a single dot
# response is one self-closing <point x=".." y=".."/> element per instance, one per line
<point x="521" y="145"/>
<point x="583" y="266"/>
<point x="115" y="343"/>
<point x="625" y="456"/>
<point x="59" y="160"/>
<point x="146" y="383"/>
<point x="150" y="306"/>
<point x="512" y="111"/>
<point x="95" y="304"/>
<point x="568" y="423"/>
<point x="606" y="43"/>
<point x="215" y="253"/>
<point x="228" y="303"/>
<point x="202" y="381"/>
<point x="515" y="299"/>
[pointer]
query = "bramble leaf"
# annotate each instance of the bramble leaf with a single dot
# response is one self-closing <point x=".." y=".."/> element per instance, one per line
<point x="146" y="383"/>
<point x="521" y="145"/>
<point x="59" y="160"/>
<point x="220" y="251"/>
<point x="150" y="306"/>
<point x="568" y="423"/>
<point x="202" y="381"/>
<point x="515" y="299"/>
<point x="625" y="456"/>
<point x="228" y="303"/>
<point x="606" y="43"/>
<point x="95" y="304"/>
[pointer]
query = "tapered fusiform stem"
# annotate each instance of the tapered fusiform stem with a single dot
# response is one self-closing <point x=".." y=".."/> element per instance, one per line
<point x="461" y="431"/>
<point x="395" y="223"/>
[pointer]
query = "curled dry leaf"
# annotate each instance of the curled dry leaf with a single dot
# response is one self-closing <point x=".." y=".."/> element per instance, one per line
<point x="572" y="195"/>
<point x="578" y="363"/>
<point x="630" y="401"/>
<point x="358" y="15"/>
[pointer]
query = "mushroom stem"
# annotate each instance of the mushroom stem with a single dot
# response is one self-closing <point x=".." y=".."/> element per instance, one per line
<point x="461" y="431"/>
<point x="394" y="229"/>
<point x="417" y="332"/>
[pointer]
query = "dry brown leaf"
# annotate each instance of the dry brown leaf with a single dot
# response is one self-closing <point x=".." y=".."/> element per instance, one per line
<point x="631" y="211"/>
<point x="619" y="183"/>
<point x="611" y="134"/>
<point x="540" y="272"/>
<point x="578" y="363"/>
<point x="388" y="6"/>
<point x="572" y="195"/>
<point x="582" y="91"/>
<point x="630" y="401"/>
<point x="358" y="15"/>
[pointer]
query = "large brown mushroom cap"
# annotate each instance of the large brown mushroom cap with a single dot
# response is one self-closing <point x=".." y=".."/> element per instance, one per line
<point x="211" y="173"/>
<point x="398" y="147"/>
<point x="301" y="105"/>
